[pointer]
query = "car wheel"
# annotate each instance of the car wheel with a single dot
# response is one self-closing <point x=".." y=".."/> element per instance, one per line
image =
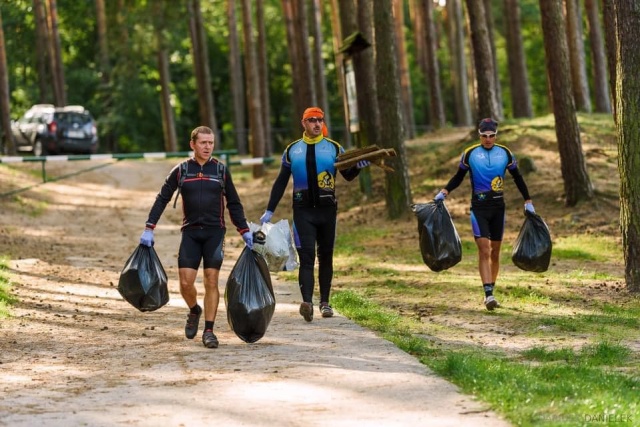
<point x="39" y="149"/>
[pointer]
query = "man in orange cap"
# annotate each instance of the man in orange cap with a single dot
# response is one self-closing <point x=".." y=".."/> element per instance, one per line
<point x="310" y="160"/>
<point x="316" y="112"/>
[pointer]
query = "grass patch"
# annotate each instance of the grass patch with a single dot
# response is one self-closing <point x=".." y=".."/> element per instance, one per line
<point x="585" y="248"/>
<point x="603" y="353"/>
<point x="31" y="207"/>
<point x="546" y="394"/>
<point x="563" y="348"/>
<point x="6" y="299"/>
<point x="540" y="387"/>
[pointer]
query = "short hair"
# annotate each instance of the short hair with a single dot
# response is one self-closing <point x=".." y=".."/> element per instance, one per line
<point x="487" y="124"/>
<point x="201" y="129"/>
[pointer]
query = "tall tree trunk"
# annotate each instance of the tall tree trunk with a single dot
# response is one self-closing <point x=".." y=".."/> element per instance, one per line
<point x="579" y="81"/>
<point x="300" y="76"/>
<point x="318" y="62"/>
<point x="337" y="32"/>
<point x="124" y="68"/>
<point x="237" y="81"/>
<point x="488" y="14"/>
<point x="257" y="142"/>
<point x="518" y="78"/>
<point x="364" y="68"/>
<point x="600" y="83"/>
<point x="459" y="78"/>
<point x="103" y="47"/>
<point x="397" y="185"/>
<point x="306" y="93"/>
<point x="197" y="66"/>
<point x="365" y="83"/>
<point x="433" y="68"/>
<point x="263" y="67"/>
<point x="7" y="146"/>
<point x="349" y="26"/>
<point x="577" y="185"/>
<point x="42" y="52"/>
<point x="403" y="71"/>
<point x="367" y="94"/>
<point x="483" y="61"/>
<point x="201" y="64"/>
<point x="608" y="16"/>
<point x="57" y="68"/>
<point x="168" y="121"/>
<point x="627" y="17"/>
<point x="418" y="20"/>
<point x="107" y="140"/>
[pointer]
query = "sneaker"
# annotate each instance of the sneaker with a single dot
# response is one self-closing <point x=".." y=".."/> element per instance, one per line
<point x="191" y="328"/>
<point x="326" y="310"/>
<point x="306" y="310"/>
<point x="491" y="303"/>
<point x="209" y="339"/>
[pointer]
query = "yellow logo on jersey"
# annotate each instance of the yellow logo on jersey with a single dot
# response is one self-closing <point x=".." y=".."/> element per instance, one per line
<point x="496" y="184"/>
<point x="326" y="180"/>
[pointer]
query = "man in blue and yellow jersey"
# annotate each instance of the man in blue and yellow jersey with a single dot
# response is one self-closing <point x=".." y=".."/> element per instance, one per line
<point x="310" y="160"/>
<point x="487" y="163"/>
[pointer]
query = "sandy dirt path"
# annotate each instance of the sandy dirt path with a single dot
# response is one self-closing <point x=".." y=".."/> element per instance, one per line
<point x="76" y="354"/>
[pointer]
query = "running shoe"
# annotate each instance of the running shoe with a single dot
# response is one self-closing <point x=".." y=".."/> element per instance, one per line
<point x="209" y="339"/>
<point x="306" y="310"/>
<point x="491" y="303"/>
<point x="191" y="328"/>
<point x="326" y="310"/>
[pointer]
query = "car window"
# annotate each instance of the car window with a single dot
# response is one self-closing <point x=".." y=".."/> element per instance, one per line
<point x="71" y="118"/>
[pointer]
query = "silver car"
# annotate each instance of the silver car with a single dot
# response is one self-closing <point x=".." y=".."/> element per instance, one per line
<point x="45" y="129"/>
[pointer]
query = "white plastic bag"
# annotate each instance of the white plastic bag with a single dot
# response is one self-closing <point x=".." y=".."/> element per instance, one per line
<point x="276" y="248"/>
<point x="292" y="261"/>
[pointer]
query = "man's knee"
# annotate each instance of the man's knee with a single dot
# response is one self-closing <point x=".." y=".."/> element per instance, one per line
<point x="325" y="256"/>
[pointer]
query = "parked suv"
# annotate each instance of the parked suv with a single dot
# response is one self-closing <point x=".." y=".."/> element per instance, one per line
<point x="46" y="129"/>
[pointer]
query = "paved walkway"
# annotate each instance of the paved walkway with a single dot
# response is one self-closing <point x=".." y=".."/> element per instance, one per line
<point x="330" y="372"/>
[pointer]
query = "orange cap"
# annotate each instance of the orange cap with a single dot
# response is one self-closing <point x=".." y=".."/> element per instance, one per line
<point x="316" y="112"/>
<point x="312" y="112"/>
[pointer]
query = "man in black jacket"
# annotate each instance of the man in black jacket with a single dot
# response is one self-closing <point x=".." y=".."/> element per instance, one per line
<point x="205" y="184"/>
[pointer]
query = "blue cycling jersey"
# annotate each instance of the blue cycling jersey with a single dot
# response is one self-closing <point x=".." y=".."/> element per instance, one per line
<point x="487" y="169"/>
<point x="325" y="153"/>
<point x="311" y="163"/>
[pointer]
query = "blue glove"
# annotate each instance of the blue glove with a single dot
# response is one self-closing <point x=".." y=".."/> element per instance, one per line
<point x="440" y="196"/>
<point x="248" y="239"/>
<point x="363" y="164"/>
<point x="266" y="216"/>
<point x="529" y="207"/>
<point x="147" y="237"/>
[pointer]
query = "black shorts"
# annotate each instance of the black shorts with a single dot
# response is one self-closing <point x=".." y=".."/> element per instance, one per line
<point x="206" y="244"/>
<point x="315" y="227"/>
<point x="488" y="222"/>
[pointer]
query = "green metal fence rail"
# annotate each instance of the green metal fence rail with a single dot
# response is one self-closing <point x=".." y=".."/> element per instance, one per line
<point x="224" y="155"/>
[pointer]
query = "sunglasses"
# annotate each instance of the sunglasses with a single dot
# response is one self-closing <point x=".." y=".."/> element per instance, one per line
<point x="315" y="120"/>
<point x="487" y="135"/>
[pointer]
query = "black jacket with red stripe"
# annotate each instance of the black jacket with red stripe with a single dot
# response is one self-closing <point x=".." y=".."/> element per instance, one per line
<point x="203" y="197"/>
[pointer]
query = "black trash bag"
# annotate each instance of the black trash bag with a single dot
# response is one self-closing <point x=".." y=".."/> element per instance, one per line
<point x="143" y="281"/>
<point x="249" y="297"/>
<point x="532" y="249"/>
<point x="439" y="240"/>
